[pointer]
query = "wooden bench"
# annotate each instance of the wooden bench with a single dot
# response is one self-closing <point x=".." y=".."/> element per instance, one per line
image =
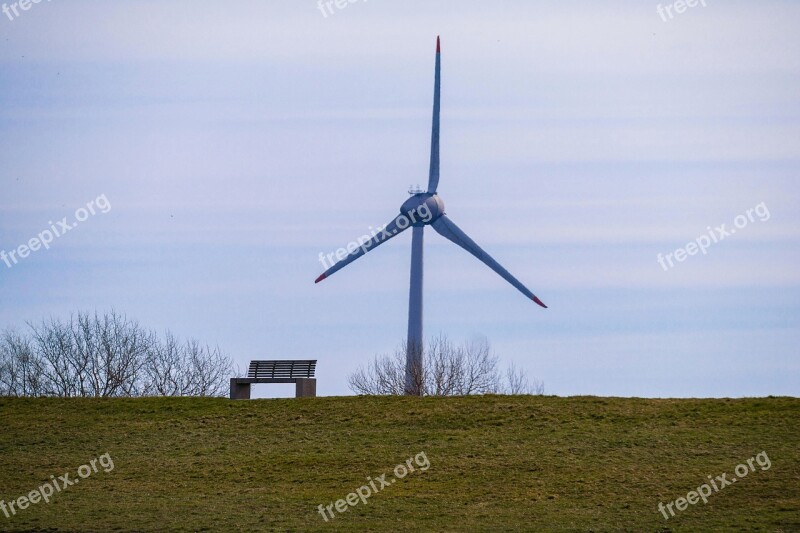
<point x="299" y="372"/>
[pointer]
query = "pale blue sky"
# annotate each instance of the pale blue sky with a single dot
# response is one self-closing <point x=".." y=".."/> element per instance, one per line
<point x="236" y="141"/>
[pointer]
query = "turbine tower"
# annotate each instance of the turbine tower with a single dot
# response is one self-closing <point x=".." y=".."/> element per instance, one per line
<point x="425" y="208"/>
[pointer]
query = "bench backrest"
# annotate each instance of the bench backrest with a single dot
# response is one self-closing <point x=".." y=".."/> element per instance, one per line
<point x="282" y="369"/>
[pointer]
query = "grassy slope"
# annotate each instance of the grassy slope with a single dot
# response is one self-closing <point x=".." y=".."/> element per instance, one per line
<point x="497" y="463"/>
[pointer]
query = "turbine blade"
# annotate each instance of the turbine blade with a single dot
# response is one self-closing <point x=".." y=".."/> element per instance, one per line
<point x="433" y="176"/>
<point x="391" y="229"/>
<point x="448" y="229"/>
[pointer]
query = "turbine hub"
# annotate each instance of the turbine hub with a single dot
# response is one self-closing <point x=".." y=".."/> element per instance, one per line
<point x="422" y="208"/>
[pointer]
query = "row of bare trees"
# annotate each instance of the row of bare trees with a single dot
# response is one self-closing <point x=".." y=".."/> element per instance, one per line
<point x="92" y="355"/>
<point x="447" y="370"/>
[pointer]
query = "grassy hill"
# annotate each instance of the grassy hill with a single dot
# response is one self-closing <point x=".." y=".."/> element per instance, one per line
<point x="496" y="463"/>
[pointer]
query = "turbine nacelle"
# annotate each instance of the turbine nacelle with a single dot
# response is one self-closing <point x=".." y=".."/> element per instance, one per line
<point x="422" y="209"/>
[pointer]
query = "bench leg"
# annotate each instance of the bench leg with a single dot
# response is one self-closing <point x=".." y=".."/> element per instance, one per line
<point x="306" y="388"/>
<point x="239" y="391"/>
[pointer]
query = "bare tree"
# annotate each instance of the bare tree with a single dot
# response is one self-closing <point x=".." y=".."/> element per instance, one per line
<point x="20" y="366"/>
<point x="206" y="370"/>
<point x="480" y="370"/>
<point x="517" y="382"/>
<point x="447" y="370"/>
<point x="164" y="368"/>
<point x="52" y="343"/>
<point x="445" y="367"/>
<point x="122" y="354"/>
<point x="384" y="375"/>
<point x="107" y="356"/>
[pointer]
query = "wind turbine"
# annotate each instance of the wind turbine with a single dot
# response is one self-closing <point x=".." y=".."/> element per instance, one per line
<point x="425" y="208"/>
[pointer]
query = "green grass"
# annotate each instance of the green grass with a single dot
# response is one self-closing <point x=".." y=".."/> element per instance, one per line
<point x="497" y="463"/>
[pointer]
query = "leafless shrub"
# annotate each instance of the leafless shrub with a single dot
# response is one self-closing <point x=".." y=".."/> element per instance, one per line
<point x="106" y="356"/>
<point x="447" y="370"/>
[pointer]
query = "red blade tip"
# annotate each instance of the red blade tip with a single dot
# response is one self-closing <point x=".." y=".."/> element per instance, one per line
<point x="438" y="45"/>
<point x="320" y="278"/>
<point x="538" y="301"/>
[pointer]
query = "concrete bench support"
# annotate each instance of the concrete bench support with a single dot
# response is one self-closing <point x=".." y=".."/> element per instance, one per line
<point x="239" y="391"/>
<point x="306" y="388"/>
